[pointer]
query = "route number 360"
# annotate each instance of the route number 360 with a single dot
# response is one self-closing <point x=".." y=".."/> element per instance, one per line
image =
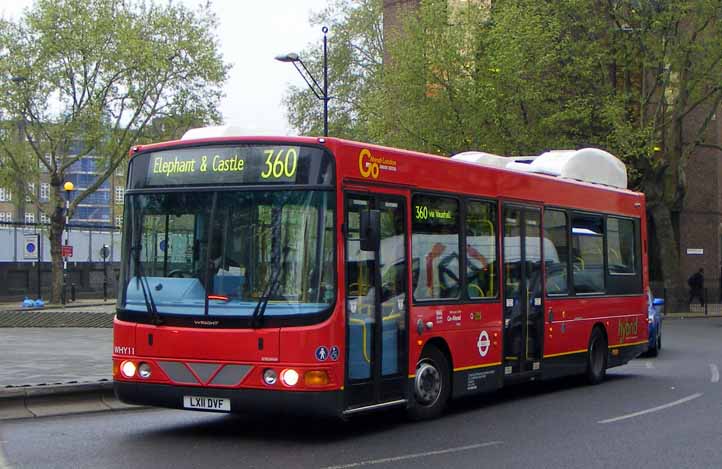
<point x="280" y="163"/>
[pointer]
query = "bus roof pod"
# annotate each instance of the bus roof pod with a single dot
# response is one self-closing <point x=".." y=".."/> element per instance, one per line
<point x="588" y="165"/>
<point x="212" y="132"/>
<point x="490" y="159"/>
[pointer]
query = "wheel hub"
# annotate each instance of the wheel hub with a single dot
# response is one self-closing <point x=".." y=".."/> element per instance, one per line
<point x="427" y="384"/>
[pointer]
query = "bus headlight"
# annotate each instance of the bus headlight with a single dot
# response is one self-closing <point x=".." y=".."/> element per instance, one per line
<point x="128" y="369"/>
<point x="289" y="377"/>
<point x="144" y="370"/>
<point x="270" y="377"/>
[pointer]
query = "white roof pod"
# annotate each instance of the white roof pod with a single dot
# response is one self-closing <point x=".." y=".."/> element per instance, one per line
<point x="489" y="159"/>
<point x="588" y="165"/>
<point x="212" y="132"/>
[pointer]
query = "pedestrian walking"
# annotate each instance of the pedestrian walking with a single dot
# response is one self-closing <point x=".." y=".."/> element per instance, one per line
<point x="696" y="286"/>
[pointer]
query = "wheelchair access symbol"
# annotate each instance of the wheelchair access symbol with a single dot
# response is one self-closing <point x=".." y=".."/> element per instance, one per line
<point x="333" y="353"/>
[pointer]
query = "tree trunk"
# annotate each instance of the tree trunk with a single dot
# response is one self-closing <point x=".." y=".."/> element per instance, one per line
<point x="664" y="234"/>
<point x="56" y="241"/>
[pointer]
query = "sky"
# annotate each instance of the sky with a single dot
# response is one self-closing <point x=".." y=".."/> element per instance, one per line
<point x="251" y="33"/>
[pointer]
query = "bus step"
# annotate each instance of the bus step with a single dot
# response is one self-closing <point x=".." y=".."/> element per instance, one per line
<point x="368" y="408"/>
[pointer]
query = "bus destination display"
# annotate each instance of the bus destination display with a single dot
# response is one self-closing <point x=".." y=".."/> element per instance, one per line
<point x="246" y="164"/>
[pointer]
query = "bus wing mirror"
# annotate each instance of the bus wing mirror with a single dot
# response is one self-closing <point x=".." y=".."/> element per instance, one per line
<point x="370" y="230"/>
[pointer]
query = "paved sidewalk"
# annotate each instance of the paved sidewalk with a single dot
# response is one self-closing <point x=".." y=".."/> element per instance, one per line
<point x="82" y="313"/>
<point x="52" y="356"/>
<point x="55" y="370"/>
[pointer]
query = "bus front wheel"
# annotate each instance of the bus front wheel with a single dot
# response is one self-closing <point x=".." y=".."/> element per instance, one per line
<point x="432" y="385"/>
<point x="597" y="357"/>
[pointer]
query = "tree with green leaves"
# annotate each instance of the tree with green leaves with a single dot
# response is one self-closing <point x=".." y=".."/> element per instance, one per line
<point x="355" y="58"/>
<point x="640" y="79"/>
<point x="94" y="77"/>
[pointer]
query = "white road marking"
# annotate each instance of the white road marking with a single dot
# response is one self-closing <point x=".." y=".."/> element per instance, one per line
<point x="416" y="455"/>
<point x="715" y="373"/>
<point x="649" y="364"/>
<point x="653" y="409"/>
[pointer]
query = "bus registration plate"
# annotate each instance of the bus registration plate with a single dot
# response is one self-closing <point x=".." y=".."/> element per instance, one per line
<point x="207" y="403"/>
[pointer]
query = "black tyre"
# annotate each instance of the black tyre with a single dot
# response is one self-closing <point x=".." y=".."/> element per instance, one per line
<point x="432" y="385"/>
<point x="597" y="357"/>
<point x="654" y="350"/>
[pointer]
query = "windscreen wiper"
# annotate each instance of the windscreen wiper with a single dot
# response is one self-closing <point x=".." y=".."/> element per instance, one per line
<point x="145" y="287"/>
<point x="260" y="309"/>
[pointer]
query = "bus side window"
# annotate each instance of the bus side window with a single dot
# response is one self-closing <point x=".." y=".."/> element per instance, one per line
<point x="435" y="247"/>
<point x="556" y="252"/>
<point x="481" y="249"/>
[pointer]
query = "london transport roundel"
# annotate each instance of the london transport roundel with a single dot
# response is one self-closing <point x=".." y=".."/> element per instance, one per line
<point x="483" y="343"/>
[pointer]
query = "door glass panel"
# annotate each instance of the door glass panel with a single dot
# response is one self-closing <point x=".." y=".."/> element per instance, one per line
<point x="533" y="262"/>
<point x="361" y="296"/>
<point x="513" y="285"/>
<point x="393" y="286"/>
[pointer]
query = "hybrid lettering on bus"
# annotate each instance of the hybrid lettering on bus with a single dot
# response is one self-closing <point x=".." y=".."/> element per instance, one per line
<point x="328" y="277"/>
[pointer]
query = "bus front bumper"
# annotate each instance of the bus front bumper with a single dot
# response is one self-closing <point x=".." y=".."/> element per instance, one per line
<point x="246" y="401"/>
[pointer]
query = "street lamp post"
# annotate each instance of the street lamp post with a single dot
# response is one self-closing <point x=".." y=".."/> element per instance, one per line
<point x="321" y="92"/>
<point x="68" y="186"/>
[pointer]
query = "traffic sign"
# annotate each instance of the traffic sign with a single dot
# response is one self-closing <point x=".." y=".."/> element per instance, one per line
<point x="67" y="250"/>
<point x="31" y="246"/>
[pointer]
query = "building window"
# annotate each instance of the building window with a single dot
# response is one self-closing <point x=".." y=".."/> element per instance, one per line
<point x="6" y="216"/>
<point x="435" y="247"/>
<point x="30" y="192"/>
<point x="119" y="220"/>
<point x="5" y="195"/>
<point x="119" y="193"/>
<point x="44" y="218"/>
<point x="481" y="249"/>
<point x="44" y="192"/>
<point x="120" y="170"/>
<point x="29" y="217"/>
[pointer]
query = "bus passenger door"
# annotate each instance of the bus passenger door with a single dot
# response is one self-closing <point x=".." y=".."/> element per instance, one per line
<point x="376" y="303"/>
<point x="523" y="292"/>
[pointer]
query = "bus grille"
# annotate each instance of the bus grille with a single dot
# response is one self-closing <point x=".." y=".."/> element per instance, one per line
<point x="205" y="373"/>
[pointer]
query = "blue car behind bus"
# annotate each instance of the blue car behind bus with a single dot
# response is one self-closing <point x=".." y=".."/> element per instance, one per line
<point x="654" y="311"/>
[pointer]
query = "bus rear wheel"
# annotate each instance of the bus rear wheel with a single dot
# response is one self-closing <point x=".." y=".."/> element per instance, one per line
<point x="432" y="385"/>
<point x="597" y="357"/>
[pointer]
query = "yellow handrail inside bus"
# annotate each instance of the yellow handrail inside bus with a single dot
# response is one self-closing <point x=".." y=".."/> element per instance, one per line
<point x="481" y="292"/>
<point x="617" y="256"/>
<point x="362" y="323"/>
<point x="490" y="265"/>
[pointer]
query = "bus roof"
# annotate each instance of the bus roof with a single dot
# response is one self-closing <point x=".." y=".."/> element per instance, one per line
<point x="441" y="173"/>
